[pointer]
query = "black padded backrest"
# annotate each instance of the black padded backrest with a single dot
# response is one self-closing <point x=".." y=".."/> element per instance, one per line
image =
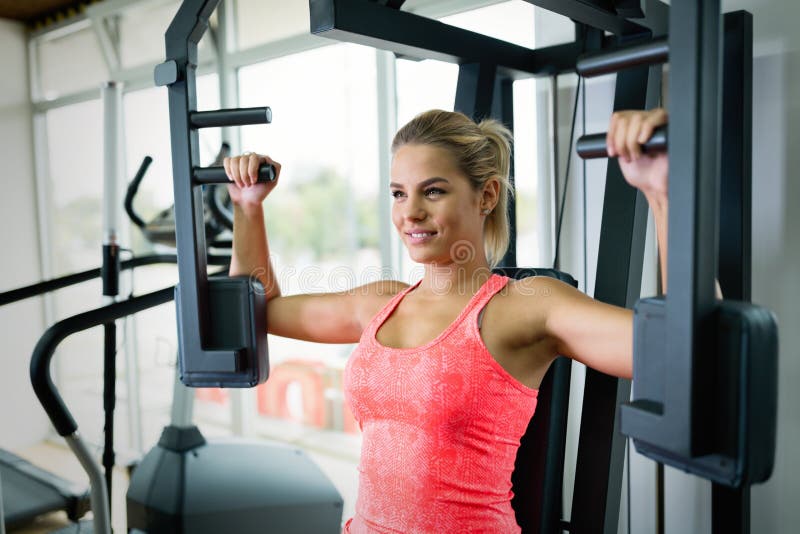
<point x="538" y="475"/>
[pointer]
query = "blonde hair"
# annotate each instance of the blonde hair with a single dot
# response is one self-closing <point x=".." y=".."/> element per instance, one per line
<point x="482" y="152"/>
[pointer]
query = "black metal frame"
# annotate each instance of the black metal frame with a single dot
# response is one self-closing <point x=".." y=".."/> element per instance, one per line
<point x="711" y="409"/>
<point x="213" y="352"/>
<point x="730" y="507"/>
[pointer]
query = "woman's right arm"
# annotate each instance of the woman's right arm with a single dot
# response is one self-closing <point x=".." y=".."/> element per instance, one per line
<point x="323" y="317"/>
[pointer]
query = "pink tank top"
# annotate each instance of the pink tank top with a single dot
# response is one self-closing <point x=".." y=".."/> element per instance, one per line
<point x="441" y="427"/>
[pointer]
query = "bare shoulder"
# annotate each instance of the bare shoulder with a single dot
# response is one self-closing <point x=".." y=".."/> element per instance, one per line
<point x="525" y="306"/>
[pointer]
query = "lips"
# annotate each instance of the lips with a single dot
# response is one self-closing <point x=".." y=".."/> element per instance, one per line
<point x="416" y="237"/>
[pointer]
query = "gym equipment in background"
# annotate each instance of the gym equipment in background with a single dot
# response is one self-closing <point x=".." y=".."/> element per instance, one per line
<point x="186" y="484"/>
<point x="28" y="492"/>
<point x="217" y="210"/>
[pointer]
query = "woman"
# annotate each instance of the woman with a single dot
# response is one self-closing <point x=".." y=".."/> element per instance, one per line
<point x="444" y="378"/>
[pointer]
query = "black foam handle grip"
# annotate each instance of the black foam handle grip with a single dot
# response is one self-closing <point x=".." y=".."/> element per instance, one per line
<point x="625" y="57"/>
<point x="230" y="117"/>
<point x="216" y="175"/>
<point x="594" y="145"/>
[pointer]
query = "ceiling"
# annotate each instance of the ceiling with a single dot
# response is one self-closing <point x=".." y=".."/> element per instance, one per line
<point x="31" y="10"/>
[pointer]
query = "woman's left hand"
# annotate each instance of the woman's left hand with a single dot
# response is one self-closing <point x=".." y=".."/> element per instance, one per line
<point x="626" y="133"/>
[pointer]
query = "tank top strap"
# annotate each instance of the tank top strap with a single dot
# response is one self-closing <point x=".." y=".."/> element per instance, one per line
<point x="489" y="289"/>
<point x="387" y="310"/>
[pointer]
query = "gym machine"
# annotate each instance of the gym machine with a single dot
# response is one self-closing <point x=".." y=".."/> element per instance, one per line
<point x="221" y="321"/>
<point x="712" y="412"/>
<point x="676" y="426"/>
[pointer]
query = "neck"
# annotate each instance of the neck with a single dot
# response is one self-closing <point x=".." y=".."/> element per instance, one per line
<point x="454" y="278"/>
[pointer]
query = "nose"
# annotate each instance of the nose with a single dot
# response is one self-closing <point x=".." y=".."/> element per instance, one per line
<point x="413" y="209"/>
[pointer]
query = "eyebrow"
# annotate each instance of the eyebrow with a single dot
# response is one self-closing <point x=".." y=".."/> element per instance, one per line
<point x="424" y="183"/>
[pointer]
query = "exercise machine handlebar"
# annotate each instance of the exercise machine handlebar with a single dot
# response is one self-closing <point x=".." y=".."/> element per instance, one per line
<point x="594" y="146"/>
<point x="43" y="352"/>
<point x="608" y="61"/>
<point x="133" y="188"/>
<point x="230" y="117"/>
<point x="46" y="286"/>
<point x="216" y="175"/>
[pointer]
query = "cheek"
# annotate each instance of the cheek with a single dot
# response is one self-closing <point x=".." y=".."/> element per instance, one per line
<point x="397" y="218"/>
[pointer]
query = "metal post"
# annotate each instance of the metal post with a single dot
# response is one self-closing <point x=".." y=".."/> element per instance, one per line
<point x="2" y="516"/>
<point x="387" y="125"/>
<point x="101" y="509"/>
<point x="503" y="110"/>
<point x="475" y="90"/>
<point x="182" y="404"/>
<point x="601" y="447"/>
<point x="730" y="507"/>
<point x="694" y="184"/>
<point x="112" y="129"/>
<point x="555" y="161"/>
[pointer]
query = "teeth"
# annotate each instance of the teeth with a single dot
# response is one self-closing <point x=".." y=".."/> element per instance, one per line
<point x="422" y="235"/>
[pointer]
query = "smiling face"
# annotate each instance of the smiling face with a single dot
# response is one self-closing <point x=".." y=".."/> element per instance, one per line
<point x="435" y="209"/>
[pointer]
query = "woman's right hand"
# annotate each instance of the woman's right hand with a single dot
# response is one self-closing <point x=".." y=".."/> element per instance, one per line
<point x="242" y="171"/>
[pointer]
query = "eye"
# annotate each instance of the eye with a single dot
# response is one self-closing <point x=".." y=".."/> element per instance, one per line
<point x="397" y="194"/>
<point x="434" y="191"/>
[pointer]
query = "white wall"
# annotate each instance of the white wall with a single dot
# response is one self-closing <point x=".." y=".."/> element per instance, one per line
<point x="22" y="420"/>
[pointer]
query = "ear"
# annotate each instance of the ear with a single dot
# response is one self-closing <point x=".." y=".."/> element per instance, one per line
<point x="490" y="194"/>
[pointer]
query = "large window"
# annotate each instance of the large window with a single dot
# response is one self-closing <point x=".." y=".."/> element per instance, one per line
<point x="323" y="231"/>
<point x="75" y="187"/>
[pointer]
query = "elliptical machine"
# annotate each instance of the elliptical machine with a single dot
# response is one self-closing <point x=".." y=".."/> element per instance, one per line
<point x="188" y="484"/>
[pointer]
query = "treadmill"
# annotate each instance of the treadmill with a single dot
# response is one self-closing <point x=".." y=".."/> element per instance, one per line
<point x="29" y="491"/>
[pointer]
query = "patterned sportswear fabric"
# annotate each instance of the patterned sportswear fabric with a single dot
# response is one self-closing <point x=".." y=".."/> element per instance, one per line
<point x="441" y="427"/>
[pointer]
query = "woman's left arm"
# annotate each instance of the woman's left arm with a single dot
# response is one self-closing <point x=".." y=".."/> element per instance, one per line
<point x="597" y="334"/>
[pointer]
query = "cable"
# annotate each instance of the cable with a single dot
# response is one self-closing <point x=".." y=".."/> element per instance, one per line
<point x="585" y="253"/>
<point x="560" y="219"/>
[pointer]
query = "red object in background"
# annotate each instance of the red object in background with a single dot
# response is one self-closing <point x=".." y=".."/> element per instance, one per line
<point x="215" y="395"/>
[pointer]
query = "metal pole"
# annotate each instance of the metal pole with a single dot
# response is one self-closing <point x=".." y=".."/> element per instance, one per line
<point x="555" y="167"/>
<point x="101" y="510"/>
<point x="112" y="129"/>
<point x="730" y="507"/>
<point x="2" y="516"/>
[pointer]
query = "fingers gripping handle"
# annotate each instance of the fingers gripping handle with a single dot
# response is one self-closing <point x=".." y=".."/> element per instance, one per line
<point x="216" y="175"/>
<point x="594" y="145"/>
